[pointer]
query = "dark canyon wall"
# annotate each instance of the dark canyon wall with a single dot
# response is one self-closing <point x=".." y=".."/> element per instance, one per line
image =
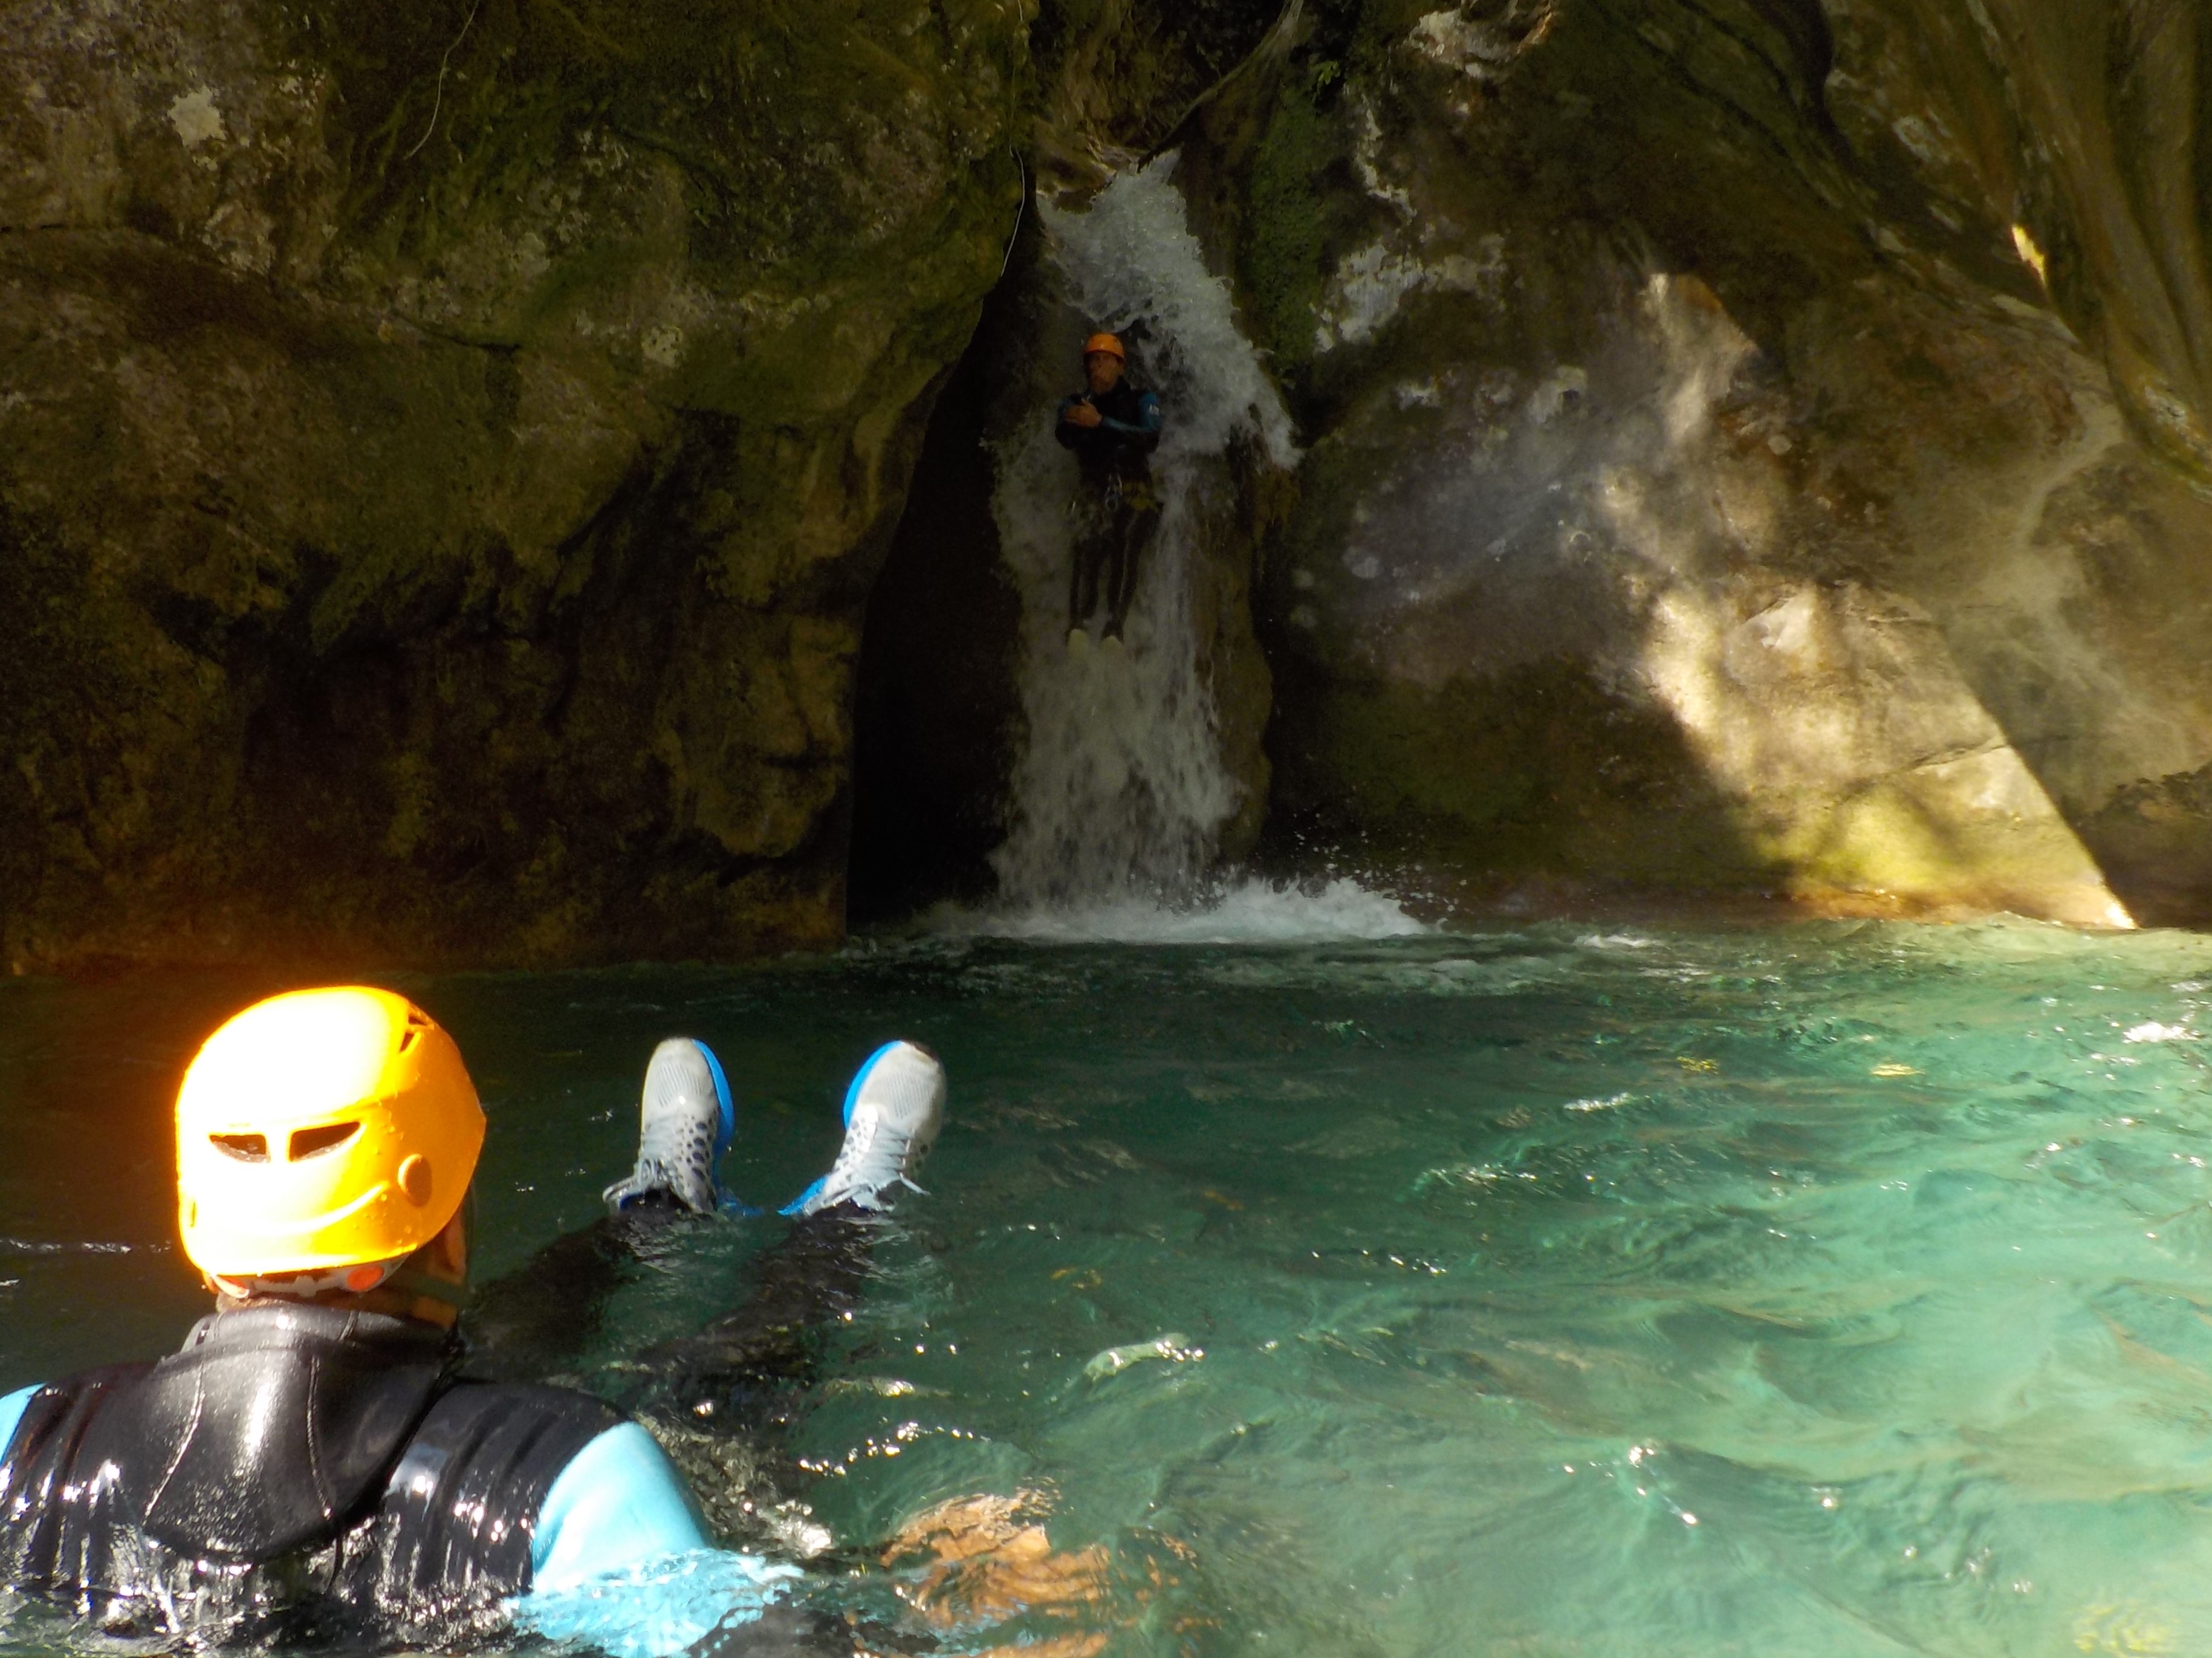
<point x="445" y="455"/>
<point x="443" y="452"/>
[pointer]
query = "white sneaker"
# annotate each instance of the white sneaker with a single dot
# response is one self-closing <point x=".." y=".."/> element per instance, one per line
<point x="892" y="1113"/>
<point x="686" y="1120"/>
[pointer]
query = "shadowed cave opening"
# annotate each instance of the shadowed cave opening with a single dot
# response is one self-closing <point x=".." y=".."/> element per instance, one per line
<point x="937" y="713"/>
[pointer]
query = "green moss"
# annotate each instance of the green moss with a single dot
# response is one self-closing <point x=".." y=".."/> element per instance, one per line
<point x="505" y="609"/>
<point x="447" y="117"/>
<point x="1281" y="256"/>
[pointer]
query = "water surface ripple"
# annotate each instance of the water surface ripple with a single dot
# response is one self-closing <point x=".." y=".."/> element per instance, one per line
<point x="1835" y="1288"/>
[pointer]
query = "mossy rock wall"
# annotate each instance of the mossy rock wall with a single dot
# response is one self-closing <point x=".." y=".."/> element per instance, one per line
<point x="443" y="453"/>
<point x="1751" y="445"/>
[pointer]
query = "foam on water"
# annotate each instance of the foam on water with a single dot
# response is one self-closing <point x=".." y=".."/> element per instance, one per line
<point x="1243" y="912"/>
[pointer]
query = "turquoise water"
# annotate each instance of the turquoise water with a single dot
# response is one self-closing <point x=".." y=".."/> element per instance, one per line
<point x="1836" y="1289"/>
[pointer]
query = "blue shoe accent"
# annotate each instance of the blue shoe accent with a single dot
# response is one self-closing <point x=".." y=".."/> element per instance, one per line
<point x="731" y="1203"/>
<point x="860" y="1078"/>
<point x="722" y="1096"/>
<point x="803" y="1204"/>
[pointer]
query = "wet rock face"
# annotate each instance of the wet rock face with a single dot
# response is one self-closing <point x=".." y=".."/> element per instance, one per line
<point x="444" y="454"/>
<point x="1754" y="447"/>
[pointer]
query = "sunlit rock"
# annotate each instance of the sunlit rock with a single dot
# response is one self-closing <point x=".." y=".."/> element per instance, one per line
<point x="1736" y="458"/>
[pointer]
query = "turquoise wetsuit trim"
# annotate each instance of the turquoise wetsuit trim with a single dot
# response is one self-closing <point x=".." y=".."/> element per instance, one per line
<point x="11" y="1412"/>
<point x="619" y="1502"/>
<point x="621" y="1561"/>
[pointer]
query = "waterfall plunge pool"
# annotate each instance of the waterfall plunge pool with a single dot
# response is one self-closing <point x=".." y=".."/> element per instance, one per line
<point x="1827" y="1289"/>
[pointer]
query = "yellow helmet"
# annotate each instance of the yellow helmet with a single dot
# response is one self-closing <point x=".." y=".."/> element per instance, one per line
<point x="322" y="1129"/>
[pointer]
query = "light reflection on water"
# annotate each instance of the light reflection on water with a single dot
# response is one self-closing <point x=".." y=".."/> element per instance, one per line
<point x="1823" y="1289"/>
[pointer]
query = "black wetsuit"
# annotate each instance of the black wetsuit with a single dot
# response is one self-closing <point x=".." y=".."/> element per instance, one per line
<point x="743" y="1374"/>
<point x="294" y="1473"/>
<point x="303" y="1473"/>
<point x="1117" y="508"/>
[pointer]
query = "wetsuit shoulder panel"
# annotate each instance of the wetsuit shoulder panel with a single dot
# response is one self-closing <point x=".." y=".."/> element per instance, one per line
<point x="56" y="1528"/>
<point x="439" y="1536"/>
<point x="268" y="1433"/>
<point x="272" y="1429"/>
<point x="461" y="1511"/>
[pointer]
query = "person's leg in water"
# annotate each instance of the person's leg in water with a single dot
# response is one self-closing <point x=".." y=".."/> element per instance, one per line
<point x="538" y="1319"/>
<point x="742" y="1371"/>
<point x="748" y="1366"/>
<point x="725" y="1400"/>
<point x="716" y="1400"/>
<point x="719" y="1401"/>
<point x="1134" y="525"/>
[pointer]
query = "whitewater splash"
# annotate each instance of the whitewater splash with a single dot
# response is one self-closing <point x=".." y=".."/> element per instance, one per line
<point x="1120" y="793"/>
<point x="1247" y="912"/>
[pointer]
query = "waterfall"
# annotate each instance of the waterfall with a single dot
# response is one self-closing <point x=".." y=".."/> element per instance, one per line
<point x="1121" y="791"/>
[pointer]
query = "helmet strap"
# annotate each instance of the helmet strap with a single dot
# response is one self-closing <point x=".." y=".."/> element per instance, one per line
<point x="431" y="1284"/>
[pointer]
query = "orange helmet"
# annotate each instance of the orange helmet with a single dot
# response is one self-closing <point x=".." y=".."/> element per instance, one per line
<point x="323" y="1130"/>
<point x="1109" y="343"/>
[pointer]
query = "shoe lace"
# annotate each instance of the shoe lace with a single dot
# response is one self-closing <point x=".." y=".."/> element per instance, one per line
<point x="869" y="1132"/>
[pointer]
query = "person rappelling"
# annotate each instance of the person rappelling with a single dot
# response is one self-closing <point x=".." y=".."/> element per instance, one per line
<point x="1113" y="427"/>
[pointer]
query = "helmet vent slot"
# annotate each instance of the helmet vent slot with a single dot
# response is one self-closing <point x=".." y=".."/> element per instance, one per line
<point x="246" y="1148"/>
<point x="307" y="1141"/>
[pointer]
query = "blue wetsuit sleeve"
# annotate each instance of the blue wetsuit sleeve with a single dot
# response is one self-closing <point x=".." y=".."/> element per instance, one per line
<point x="1145" y="433"/>
<point x="621" y="1560"/>
<point x="11" y="1413"/>
<point x="619" y="1502"/>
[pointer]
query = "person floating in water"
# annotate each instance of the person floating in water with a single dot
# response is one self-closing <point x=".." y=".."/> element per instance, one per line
<point x="1113" y="427"/>
<point x="321" y="1461"/>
